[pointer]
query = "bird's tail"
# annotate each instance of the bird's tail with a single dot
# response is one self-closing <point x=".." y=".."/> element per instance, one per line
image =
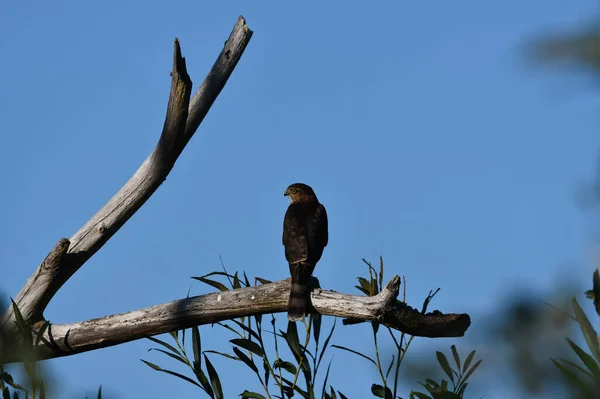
<point x="299" y="302"/>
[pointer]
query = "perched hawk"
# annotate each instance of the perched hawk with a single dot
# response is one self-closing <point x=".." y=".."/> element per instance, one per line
<point x="304" y="238"/>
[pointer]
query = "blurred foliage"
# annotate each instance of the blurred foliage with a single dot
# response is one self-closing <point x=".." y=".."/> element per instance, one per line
<point x="579" y="48"/>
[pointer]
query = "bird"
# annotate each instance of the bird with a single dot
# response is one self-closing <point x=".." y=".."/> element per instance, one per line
<point x="305" y="236"/>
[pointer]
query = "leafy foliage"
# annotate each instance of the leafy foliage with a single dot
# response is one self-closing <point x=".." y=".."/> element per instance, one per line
<point x="585" y="376"/>
<point x="280" y="375"/>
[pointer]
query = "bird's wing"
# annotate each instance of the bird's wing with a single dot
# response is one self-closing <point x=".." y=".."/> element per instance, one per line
<point x="295" y="235"/>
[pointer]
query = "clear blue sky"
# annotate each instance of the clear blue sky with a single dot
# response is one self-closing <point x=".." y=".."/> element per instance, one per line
<point x="420" y="127"/>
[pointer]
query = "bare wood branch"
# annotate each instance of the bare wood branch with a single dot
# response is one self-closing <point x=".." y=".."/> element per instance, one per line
<point x="70" y="339"/>
<point x="183" y="118"/>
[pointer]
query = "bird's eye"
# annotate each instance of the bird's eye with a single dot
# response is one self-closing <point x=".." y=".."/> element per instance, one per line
<point x="293" y="190"/>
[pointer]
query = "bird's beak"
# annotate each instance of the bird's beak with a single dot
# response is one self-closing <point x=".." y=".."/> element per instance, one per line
<point x="287" y="192"/>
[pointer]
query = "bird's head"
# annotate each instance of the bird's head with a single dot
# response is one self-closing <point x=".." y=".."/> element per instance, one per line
<point x="300" y="192"/>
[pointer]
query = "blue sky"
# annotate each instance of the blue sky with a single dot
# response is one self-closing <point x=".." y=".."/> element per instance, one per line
<point x="421" y="128"/>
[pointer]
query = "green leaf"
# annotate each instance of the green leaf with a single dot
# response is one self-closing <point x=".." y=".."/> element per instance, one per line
<point x="445" y="365"/>
<point x="247" y="329"/>
<point x="169" y="347"/>
<point x="332" y="393"/>
<point x="246" y="281"/>
<point x="588" y="331"/>
<point x="220" y="286"/>
<point x="40" y="333"/>
<point x="214" y="379"/>
<point x="251" y="395"/>
<point x="174" y="356"/>
<point x="100" y="392"/>
<point x="6" y="393"/>
<point x="466" y="376"/>
<point x="228" y="356"/>
<point x="262" y="280"/>
<point x="326" y="342"/>
<point x="236" y="281"/>
<point x="228" y="327"/>
<point x="248" y="345"/>
<point x="381" y="391"/>
<point x="197" y="346"/>
<point x="456" y="357"/>
<point x="589" y="361"/>
<point x="355" y="352"/>
<point x="596" y="280"/>
<point x="325" y="381"/>
<point x="42" y="390"/>
<point x="287" y="366"/>
<point x="316" y="320"/>
<point x="389" y="367"/>
<point x="468" y="361"/>
<point x="342" y="396"/>
<point x="581" y="369"/>
<point x="267" y="370"/>
<point x="244" y="358"/>
<point x="572" y="377"/>
<point x="293" y="342"/>
<point x="183" y="377"/>
<point x="365" y="285"/>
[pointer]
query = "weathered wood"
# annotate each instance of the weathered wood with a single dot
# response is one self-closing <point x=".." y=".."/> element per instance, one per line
<point x="70" y="339"/>
<point x="182" y="120"/>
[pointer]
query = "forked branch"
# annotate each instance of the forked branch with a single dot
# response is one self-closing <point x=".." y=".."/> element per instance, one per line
<point x="183" y="118"/>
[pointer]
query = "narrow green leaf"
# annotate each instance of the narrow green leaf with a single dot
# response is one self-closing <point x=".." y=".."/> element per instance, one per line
<point x="197" y="346"/>
<point x="588" y="331"/>
<point x="596" y="289"/>
<point x="169" y="347"/>
<point x="100" y="392"/>
<point x="183" y="377"/>
<point x="228" y="327"/>
<point x="174" y="356"/>
<point x="589" y="361"/>
<point x="445" y="365"/>
<point x="289" y="383"/>
<point x="572" y="377"/>
<point x="293" y="342"/>
<point x="251" y="395"/>
<point x="342" y="396"/>
<point x="468" y="361"/>
<point x="381" y="391"/>
<point x="42" y="390"/>
<point x="365" y="285"/>
<point x="246" y="281"/>
<point x="316" y="320"/>
<point x="332" y="393"/>
<point x="247" y="329"/>
<point x="228" y="356"/>
<point x="355" y="352"/>
<point x="6" y="393"/>
<point x="389" y="367"/>
<point x="220" y="286"/>
<point x="248" y="345"/>
<point x="267" y="370"/>
<point x="214" y="379"/>
<point x="262" y="280"/>
<point x="39" y="335"/>
<point x="325" y="345"/>
<point x="236" y="281"/>
<point x="325" y="381"/>
<point x="456" y="357"/>
<point x="466" y="376"/>
<point x="244" y="358"/>
<point x="217" y="273"/>
<point x="581" y="369"/>
<point x="287" y="366"/>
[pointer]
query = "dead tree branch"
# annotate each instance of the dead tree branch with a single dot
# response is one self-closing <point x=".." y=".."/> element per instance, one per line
<point x="69" y="339"/>
<point x="183" y="118"/>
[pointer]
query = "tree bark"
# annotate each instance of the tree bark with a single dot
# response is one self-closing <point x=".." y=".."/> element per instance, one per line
<point x="69" y="339"/>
